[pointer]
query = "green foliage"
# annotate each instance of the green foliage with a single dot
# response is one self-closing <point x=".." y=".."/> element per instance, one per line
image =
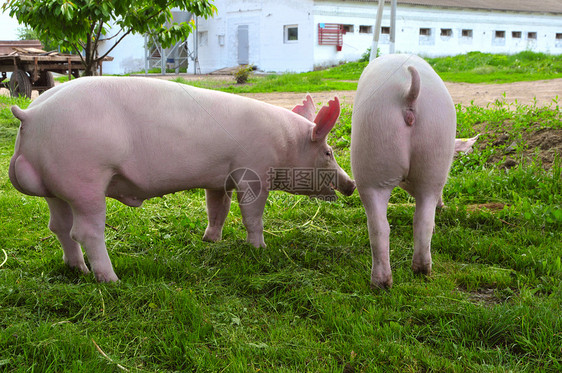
<point x="79" y="25"/>
<point x="242" y="75"/>
<point x="478" y="67"/>
<point x="289" y="82"/>
<point x="26" y="33"/>
<point x="475" y="67"/>
<point x="366" y="56"/>
<point x="8" y="123"/>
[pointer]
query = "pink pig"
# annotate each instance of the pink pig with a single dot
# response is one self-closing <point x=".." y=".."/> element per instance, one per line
<point x="135" y="138"/>
<point x="403" y="134"/>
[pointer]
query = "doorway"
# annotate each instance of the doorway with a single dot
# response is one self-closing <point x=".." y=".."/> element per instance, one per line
<point x="243" y="45"/>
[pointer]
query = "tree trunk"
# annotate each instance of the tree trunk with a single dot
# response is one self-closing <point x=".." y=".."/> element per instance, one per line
<point x="90" y="61"/>
<point x="91" y="68"/>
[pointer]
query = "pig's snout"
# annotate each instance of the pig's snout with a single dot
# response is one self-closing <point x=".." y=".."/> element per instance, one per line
<point x="346" y="185"/>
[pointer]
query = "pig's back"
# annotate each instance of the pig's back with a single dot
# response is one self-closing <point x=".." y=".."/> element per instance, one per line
<point x="382" y="140"/>
<point x="150" y="114"/>
<point x="159" y="136"/>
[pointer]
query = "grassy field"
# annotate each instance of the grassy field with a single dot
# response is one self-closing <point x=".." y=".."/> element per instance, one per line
<point x="303" y="303"/>
<point x="474" y="67"/>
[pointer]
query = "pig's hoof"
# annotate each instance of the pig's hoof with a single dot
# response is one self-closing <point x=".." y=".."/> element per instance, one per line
<point x="381" y="283"/>
<point x="422" y="268"/>
<point x="79" y="266"/>
<point x="256" y="241"/>
<point x="212" y="236"/>
<point x="106" y="277"/>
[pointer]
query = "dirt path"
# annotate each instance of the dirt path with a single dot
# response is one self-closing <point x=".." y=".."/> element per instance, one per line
<point x="545" y="91"/>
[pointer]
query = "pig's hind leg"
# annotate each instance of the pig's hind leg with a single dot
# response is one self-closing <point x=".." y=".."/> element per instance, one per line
<point x="424" y="222"/>
<point x="218" y="205"/>
<point x="88" y="229"/>
<point x="428" y="198"/>
<point x="375" y="201"/>
<point x="60" y="224"/>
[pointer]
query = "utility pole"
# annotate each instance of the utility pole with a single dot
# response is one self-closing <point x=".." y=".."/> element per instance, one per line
<point x="392" y="26"/>
<point x="376" y="34"/>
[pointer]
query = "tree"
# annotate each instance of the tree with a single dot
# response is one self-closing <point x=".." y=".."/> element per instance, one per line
<point x="79" y="25"/>
<point x="26" y="33"/>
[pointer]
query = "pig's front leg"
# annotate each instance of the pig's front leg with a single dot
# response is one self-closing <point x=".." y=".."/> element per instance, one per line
<point x="60" y="224"/>
<point x="376" y="204"/>
<point x="88" y="229"/>
<point x="252" y="217"/>
<point x="218" y="204"/>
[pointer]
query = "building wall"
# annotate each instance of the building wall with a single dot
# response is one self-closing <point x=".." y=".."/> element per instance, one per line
<point x="355" y="43"/>
<point x="128" y="55"/>
<point x="410" y="19"/>
<point x="218" y="38"/>
<point x="266" y="21"/>
<point x="484" y="26"/>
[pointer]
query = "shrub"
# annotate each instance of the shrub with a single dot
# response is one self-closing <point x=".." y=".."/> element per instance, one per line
<point x="243" y="73"/>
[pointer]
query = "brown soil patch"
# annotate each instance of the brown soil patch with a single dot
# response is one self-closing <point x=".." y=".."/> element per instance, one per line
<point x="541" y="91"/>
<point x="542" y="144"/>
<point x="490" y="206"/>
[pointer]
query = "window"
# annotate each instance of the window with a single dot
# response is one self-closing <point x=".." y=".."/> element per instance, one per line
<point x="365" y="29"/>
<point x="426" y="37"/>
<point x="385" y="35"/>
<point x="532" y="35"/>
<point x="203" y="38"/>
<point x="466" y="37"/>
<point x="498" y="38"/>
<point x="559" y="36"/>
<point x="348" y="28"/>
<point x="516" y="34"/>
<point x="291" y="33"/>
<point x="558" y="39"/>
<point x="446" y="32"/>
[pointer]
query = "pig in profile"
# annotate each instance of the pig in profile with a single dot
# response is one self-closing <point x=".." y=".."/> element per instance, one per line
<point x="403" y="134"/>
<point x="136" y="138"/>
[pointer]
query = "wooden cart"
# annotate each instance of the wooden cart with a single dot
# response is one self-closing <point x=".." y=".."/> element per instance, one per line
<point x="32" y="67"/>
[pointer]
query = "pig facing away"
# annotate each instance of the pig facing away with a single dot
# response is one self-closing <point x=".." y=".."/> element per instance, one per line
<point x="137" y="138"/>
<point x="402" y="134"/>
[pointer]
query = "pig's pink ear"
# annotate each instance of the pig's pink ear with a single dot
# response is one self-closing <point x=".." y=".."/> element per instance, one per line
<point x="326" y="119"/>
<point x="465" y="145"/>
<point x="306" y="109"/>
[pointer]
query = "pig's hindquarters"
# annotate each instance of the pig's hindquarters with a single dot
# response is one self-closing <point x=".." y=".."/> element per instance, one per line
<point x="387" y="151"/>
<point x="380" y="162"/>
<point x="432" y="148"/>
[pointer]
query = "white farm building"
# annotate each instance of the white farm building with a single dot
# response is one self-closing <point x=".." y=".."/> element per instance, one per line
<point x="299" y="35"/>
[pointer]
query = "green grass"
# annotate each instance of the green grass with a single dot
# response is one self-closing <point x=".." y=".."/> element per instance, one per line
<point x="304" y="302"/>
<point x="290" y="82"/>
<point x="474" y="67"/>
<point x="477" y="67"/>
